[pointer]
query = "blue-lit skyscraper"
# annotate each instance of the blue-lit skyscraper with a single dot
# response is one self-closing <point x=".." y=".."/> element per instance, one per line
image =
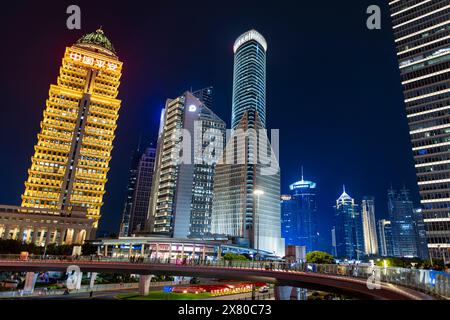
<point x="299" y="215"/>
<point x="249" y="78"/>
<point x="348" y="230"/>
<point x="407" y="226"/>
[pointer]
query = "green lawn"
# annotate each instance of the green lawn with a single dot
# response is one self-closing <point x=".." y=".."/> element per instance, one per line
<point x="159" y="295"/>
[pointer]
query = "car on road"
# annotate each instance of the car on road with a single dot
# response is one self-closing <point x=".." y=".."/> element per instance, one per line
<point x="263" y="289"/>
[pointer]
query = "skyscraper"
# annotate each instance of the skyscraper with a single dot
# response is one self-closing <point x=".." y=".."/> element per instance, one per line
<point x="385" y="238"/>
<point x="369" y="226"/>
<point x="131" y="187"/>
<point x="246" y="203"/>
<point x="249" y="79"/>
<point x="348" y="232"/>
<point x="140" y="202"/>
<point x="205" y="95"/>
<point x="71" y="158"/>
<point x="182" y="192"/>
<point x="299" y="215"/>
<point x="405" y="227"/>
<point x="422" y="30"/>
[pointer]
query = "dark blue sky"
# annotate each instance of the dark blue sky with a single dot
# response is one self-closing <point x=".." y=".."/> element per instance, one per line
<point x="333" y="86"/>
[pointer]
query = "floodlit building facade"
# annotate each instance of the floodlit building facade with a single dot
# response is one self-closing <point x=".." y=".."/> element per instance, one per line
<point x="369" y="226"/>
<point x="385" y="238"/>
<point x="71" y="158"/>
<point x="421" y="31"/>
<point x="191" y="138"/>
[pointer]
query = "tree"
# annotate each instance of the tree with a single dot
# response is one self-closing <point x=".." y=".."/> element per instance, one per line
<point x="319" y="257"/>
<point x="234" y="257"/>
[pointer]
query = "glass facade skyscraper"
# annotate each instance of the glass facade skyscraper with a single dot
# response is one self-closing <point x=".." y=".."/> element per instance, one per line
<point x="249" y="79"/>
<point x="348" y="232"/>
<point x="406" y="224"/>
<point x="131" y="187"/>
<point x="422" y="30"/>
<point x="246" y="203"/>
<point x="299" y="215"/>
<point x="182" y="192"/>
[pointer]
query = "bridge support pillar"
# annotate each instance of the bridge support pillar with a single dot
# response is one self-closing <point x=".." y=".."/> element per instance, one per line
<point x="30" y="281"/>
<point x="144" y="284"/>
<point x="92" y="282"/>
<point x="290" y="293"/>
<point x="282" y="292"/>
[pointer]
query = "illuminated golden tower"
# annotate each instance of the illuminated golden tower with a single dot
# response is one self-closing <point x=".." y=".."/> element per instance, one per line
<point x="71" y="157"/>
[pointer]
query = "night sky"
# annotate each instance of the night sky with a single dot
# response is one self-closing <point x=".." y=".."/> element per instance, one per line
<point x="333" y="86"/>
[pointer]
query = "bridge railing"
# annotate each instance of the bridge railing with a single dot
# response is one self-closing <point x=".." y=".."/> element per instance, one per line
<point x="428" y="281"/>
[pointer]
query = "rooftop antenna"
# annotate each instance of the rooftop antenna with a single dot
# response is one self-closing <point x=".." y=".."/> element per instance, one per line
<point x="343" y="187"/>
<point x="302" y="173"/>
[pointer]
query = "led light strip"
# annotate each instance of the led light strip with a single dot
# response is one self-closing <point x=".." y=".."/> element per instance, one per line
<point x="432" y="146"/>
<point x="426" y="76"/>
<point x="422" y="31"/>
<point x="423" y="45"/>
<point x="436" y="220"/>
<point x="421" y="165"/>
<point x="435" y="200"/>
<point x="425" y="59"/>
<point x="421" y="183"/>
<point x="427" y="95"/>
<point x="428" y="111"/>
<point x="430" y="128"/>
<point x="409" y="8"/>
<point x="422" y="16"/>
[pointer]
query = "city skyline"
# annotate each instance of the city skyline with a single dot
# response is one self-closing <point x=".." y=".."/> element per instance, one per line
<point x="116" y="186"/>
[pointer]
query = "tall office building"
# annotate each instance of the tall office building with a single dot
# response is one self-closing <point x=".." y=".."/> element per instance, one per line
<point x="246" y="192"/>
<point x="190" y="136"/>
<point x="140" y="181"/>
<point x="404" y="224"/>
<point x="299" y="215"/>
<point x="131" y="187"/>
<point x="385" y="238"/>
<point x="71" y="157"/>
<point x="249" y="79"/>
<point x="348" y="231"/>
<point x="422" y="30"/>
<point x="369" y="226"/>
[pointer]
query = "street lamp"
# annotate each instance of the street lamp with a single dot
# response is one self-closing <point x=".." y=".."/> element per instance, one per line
<point x="257" y="193"/>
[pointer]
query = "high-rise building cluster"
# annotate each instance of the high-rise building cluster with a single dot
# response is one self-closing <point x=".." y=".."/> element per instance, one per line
<point x="207" y="184"/>
<point x="357" y="233"/>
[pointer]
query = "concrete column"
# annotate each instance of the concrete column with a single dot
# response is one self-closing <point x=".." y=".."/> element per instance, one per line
<point x="55" y="234"/>
<point x="143" y="249"/>
<point x="20" y="235"/>
<point x="30" y="281"/>
<point x="204" y="253"/>
<point x="78" y="284"/>
<point x="106" y="250"/>
<point x="41" y="236"/>
<point x="283" y="292"/>
<point x="182" y="251"/>
<point x="157" y="250"/>
<point x="93" y="277"/>
<point x="130" y="250"/>
<point x="62" y="235"/>
<point x="7" y="231"/>
<point x="34" y="237"/>
<point x="144" y="284"/>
